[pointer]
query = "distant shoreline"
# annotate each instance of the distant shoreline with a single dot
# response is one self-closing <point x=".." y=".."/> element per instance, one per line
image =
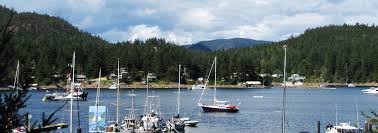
<point x="139" y="85"/>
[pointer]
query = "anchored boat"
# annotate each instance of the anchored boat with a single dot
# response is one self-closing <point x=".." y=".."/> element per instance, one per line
<point x="217" y="106"/>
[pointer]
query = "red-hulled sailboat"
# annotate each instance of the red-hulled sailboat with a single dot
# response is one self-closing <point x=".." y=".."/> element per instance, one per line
<point x="217" y="106"/>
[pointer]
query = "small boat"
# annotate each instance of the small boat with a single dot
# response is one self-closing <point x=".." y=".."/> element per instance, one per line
<point x="198" y="87"/>
<point x="114" y="126"/>
<point x="113" y="87"/>
<point x="371" y="90"/>
<point x="329" y="88"/>
<point x="32" y="88"/>
<point x="130" y="121"/>
<point x="78" y="94"/>
<point x="200" y="84"/>
<point x="189" y="122"/>
<point x="351" y="85"/>
<point x="342" y="128"/>
<point x="217" y="106"/>
<point x="175" y="123"/>
<point x="151" y="120"/>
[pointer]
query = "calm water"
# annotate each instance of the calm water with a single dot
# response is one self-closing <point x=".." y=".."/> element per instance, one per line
<point x="304" y="108"/>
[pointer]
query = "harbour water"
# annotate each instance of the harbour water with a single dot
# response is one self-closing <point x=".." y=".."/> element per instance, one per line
<point x="260" y="109"/>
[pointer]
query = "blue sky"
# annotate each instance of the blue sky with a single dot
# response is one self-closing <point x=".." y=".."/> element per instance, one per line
<point x="187" y="22"/>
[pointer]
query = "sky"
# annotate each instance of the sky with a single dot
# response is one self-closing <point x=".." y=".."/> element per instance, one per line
<point x="190" y="21"/>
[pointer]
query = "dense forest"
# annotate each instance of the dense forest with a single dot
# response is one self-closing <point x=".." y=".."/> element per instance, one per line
<point x="44" y="45"/>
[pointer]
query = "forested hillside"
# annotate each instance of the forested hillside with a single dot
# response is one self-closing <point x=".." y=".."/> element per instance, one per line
<point x="324" y="54"/>
<point x="44" y="45"/>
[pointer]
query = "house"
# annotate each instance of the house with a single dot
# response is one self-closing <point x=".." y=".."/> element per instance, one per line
<point x="151" y="76"/>
<point x="252" y="84"/>
<point x="296" y="77"/>
<point x="80" y="77"/>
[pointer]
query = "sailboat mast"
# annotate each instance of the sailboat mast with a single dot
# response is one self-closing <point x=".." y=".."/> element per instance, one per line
<point x="132" y="104"/>
<point x="72" y="90"/>
<point x="336" y="114"/>
<point x="206" y="81"/>
<point x="98" y="97"/>
<point x="118" y="93"/>
<point x="179" y="90"/>
<point x="215" y="79"/>
<point x="15" y="84"/>
<point x="284" y="96"/>
<point x="98" y="89"/>
<point x="358" y="122"/>
<point x="147" y="83"/>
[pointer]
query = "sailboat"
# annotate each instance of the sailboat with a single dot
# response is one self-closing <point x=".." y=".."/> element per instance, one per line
<point x="346" y="79"/>
<point x="344" y="127"/>
<point x="175" y="123"/>
<point x="78" y="93"/>
<point x="115" y="126"/>
<point x="129" y="123"/>
<point x="217" y="106"/>
<point x="72" y="90"/>
<point x="151" y="121"/>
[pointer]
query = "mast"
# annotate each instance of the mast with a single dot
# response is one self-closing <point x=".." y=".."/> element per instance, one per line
<point x="336" y="114"/>
<point x="147" y="107"/>
<point x="358" y="123"/>
<point x="118" y="94"/>
<point x="15" y="84"/>
<point x="215" y="79"/>
<point x="207" y="80"/>
<point x="72" y="90"/>
<point x="284" y="96"/>
<point x="98" y="96"/>
<point x="147" y="83"/>
<point x="179" y="91"/>
<point x="98" y="89"/>
<point x="131" y="113"/>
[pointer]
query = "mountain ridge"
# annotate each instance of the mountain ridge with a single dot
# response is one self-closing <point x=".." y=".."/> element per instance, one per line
<point x="224" y="44"/>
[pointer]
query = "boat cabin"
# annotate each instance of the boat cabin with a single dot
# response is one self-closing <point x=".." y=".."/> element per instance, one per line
<point x="343" y="128"/>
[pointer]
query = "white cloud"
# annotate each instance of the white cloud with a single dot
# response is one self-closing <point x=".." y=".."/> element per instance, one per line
<point x="145" y="12"/>
<point x="197" y="17"/>
<point x="144" y="32"/>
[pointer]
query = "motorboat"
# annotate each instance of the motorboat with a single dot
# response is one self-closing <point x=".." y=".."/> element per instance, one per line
<point x="217" y="106"/>
<point x="189" y="122"/>
<point x="342" y="128"/>
<point x="200" y="84"/>
<point x="175" y="123"/>
<point x="371" y="90"/>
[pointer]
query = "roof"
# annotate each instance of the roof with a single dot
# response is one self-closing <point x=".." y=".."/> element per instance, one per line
<point x="253" y="82"/>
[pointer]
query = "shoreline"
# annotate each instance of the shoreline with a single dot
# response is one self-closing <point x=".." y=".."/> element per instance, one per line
<point x="139" y="85"/>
